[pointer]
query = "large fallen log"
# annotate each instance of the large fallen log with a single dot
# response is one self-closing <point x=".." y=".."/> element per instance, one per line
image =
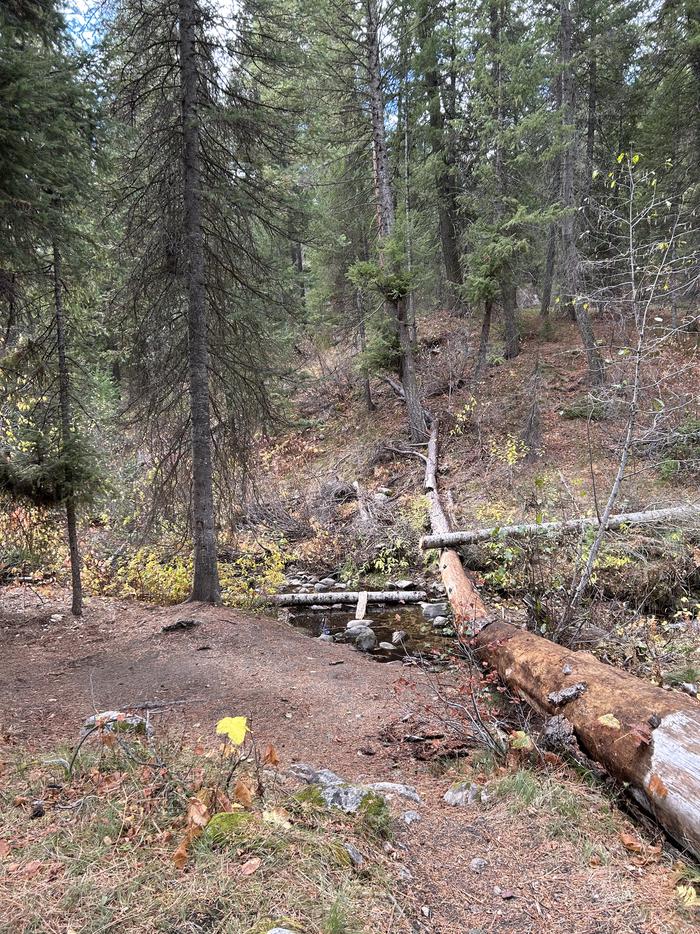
<point x="676" y="514"/>
<point x="347" y="596"/>
<point x="644" y="736"/>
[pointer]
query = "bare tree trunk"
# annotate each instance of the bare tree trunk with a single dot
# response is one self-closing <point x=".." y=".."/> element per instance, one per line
<point x="548" y="278"/>
<point x="510" y="320"/>
<point x="66" y="432"/>
<point x="483" y="342"/>
<point x="362" y="337"/>
<point x="596" y="369"/>
<point x="386" y="219"/>
<point x="444" y="183"/>
<point x="205" y="585"/>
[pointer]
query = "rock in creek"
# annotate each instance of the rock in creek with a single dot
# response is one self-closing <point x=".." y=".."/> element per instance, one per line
<point x="386" y="646"/>
<point x="439" y="622"/>
<point x="406" y="584"/>
<point x="434" y="610"/>
<point x="365" y="640"/>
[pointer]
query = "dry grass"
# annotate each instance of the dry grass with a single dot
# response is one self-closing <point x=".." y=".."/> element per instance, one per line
<point x="101" y="857"/>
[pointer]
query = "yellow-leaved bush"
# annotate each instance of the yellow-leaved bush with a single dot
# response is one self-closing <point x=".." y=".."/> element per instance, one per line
<point x="151" y="574"/>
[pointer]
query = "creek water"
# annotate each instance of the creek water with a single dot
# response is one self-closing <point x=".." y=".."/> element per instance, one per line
<point x="421" y="638"/>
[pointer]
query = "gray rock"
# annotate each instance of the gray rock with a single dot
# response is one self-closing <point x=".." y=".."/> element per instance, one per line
<point x="406" y="584"/>
<point x="328" y="582"/>
<point x="307" y="773"/>
<point x="387" y="646"/>
<point x="410" y="817"/>
<point x="115" y="721"/>
<point x="399" y="636"/>
<point x="405" y="874"/>
<point x="339" y="585"/>
<point x="326" y="637"/>
<point x="365" y="641"/>
<point x="336" y="606"/>
<point x="478" y="864"/>
<point x="395" y="788"/>
<point x="384" y="489"/>
<point x="356" y="858"/>
<point x="281" y="931"/>
<point x="359" y="623"/>
<point x="346" y="797"/>
<point x="688" y="688"/>
<point x="294" y="582"/>
<point x="318" y="608"/>
<point x="380" y="497"/>
<point x="320" y="587"/>
<point x="439" y="622"/>
<point x="462" y="794"/>
<point x="433" y="610"/>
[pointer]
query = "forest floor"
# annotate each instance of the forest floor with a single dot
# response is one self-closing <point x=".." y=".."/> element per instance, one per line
<point x="557" y="852"/>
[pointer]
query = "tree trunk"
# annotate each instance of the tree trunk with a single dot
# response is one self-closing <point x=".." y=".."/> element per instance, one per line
<point x="510" y="320"/>
<point x="362" y="339"/>
<point x="483" y="342"/>
<point x="205" y="586"/>
<point x="644" y="736"/>
<point x="673" y="514"/>
<point x="596" y="369"/>
<point x="346" y="596"/>
<point x="386" y="219"/>
<point x="66" y="432"/>
<point x="444" y="181"/>
<point x="548" y="278"/>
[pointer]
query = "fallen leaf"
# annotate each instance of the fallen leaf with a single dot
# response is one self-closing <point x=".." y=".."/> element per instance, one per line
<point x="197" y="813"/>
<point x="248" y="868"/>
<point x="631" y="842"/>
<point x="235" y="728"/>
<point x="278" y="817"/>
<point x="181" y="855"/>
<point x="243" y="794"/>
<point x="610" y="720"/>
<point x="4" y="849"/>
<point x="270" y="756"/>
<point x="33" y="867"/>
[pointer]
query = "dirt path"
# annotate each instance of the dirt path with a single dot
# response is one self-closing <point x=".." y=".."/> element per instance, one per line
<point x="328" y="705"/>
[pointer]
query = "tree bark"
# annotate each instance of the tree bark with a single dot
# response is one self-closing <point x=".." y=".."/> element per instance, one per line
<point x="674" y="514"/>
<point x="347" y="596"/>
<point x="596" y="369"/>
<point x="66" y="432"/>
<point x="386" y="219"/>
<point x="548" y="278"/>
<point x="510" y="320"/>
<point x="444" y="180"/>
<point x="205" y="585"/>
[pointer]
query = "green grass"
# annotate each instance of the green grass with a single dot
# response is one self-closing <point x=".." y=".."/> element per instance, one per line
<point x="104" y="860"/>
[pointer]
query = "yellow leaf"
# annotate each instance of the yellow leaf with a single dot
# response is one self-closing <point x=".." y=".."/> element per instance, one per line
<point x="610" y="720"/>
<point x="233" y="727"/>
<point x="688" y="896"/>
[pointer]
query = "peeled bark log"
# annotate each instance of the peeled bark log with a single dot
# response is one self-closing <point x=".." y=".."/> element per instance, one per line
<point x="648" y="517"/>
<point x="644" y="736"/>
<point x="347" y="596"/>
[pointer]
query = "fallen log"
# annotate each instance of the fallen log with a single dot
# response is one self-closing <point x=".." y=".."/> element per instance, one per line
<point x="347" y="596"/>
<point x="447" y="539"/>
<point x="644" y="736"/>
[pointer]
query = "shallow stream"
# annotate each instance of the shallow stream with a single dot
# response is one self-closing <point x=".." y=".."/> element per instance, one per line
<point x="421" y="638"/>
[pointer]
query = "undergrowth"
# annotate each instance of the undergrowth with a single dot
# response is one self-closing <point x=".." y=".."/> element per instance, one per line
<point x="147" y="837"/>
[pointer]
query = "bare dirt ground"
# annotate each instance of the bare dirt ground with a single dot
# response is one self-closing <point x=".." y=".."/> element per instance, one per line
<point x="546" y="867"/>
